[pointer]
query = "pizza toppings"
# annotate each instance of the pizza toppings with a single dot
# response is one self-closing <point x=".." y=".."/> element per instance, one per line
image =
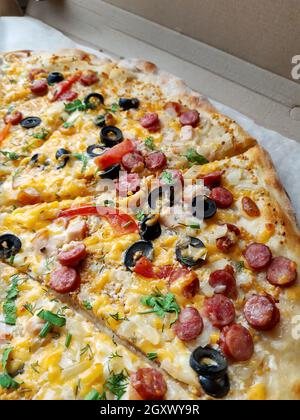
<point x="89" y="78"/>
<point x="69" y="96"/>
<point x="223" y="282"/>
<point x="93" y="100"/>
<point x="213" y="180"/>
<point x="14" y="117"/>
<point x="37" y="73"/>
<point x="222" y="197"/>
<point x="128" y="184"/>
<point x="10" y="245"/>
<point x="39" y="87"/>
<point x="73" y="255"/>
<point x="150" y="228"/>
<point x="191" y="252"/>
<point x="29" y="196"/>
<point x="149" y="384"/>
<point x="133" y="162"/>
<point x="91" y="150"/>
<point x="155" y="161"/>
<point x="282" y="272"/>
<point x="174" y="274"/>
<point x="227" y="242"/>
<point x="129" y="103"/>
<point x="136" y="251"/>
<point x="151" y="122"/>
<point x="62" y="156"/>
<point x="171" y="177"/>
<point x="161" y="197"/>
<point x="191" y="118"/>
<point x="250" y="207"/>
<point x="219" y="310"/>
<point x="63" y="87"/>
<point x="64" y="280"/>
<point x="173" y="108"/>
<point x="115" y="154"/>
<point x="204" y="207"/>
<point x="112" y="172"/>
<point x="237" y="343"/>
<point x="189" y="324"/>
<point x="261" y="312"/>
<point x="111" y="136"/>
<point x="54" y="77"/>
<point x="258" y="256"/>
<point x="30" y="122"/>
<point x="211" y="367"/>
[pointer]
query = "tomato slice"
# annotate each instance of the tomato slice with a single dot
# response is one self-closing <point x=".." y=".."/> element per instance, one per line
<point x="121" y="222"/>
<point x="145" y="268"/>
<point x="4" y="133"/>
<point x="115" y="154"/>
<point x="63" y="87"/>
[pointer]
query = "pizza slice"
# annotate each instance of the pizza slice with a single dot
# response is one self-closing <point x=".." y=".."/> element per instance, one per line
<point x="50" y="352"/>
<point x="193" y="288"/>
<point x="149" y="119"/>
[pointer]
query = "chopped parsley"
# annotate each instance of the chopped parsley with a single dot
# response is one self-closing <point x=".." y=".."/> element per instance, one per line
<point x="52" y="320"/>
<point x="68" y="340"/>
<point x="116" y="384"/>
<point x="194" y="158"/>
<point x="76" y="105"/>
<point x="68" y="124"/>
<point x="161" y="305"/>
<point x="84" y="159"/>
<point x="152" y="356"/>
<point x="114" y="108"/>
<point x="41" y="135"/>
<point x="149" y="142"/>
<point x="9" y="306"/>
<point x="239" y="266"/>
<point x="6" y="381"/>
<point x="87" y="305"/>
<point x="167" y="177"/>
<point x="118" y="317"/>
<point x="10" y="155"/>
<point x="140" y="216"/>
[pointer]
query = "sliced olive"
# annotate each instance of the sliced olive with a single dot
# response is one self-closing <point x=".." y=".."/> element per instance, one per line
<point x="34" y="159"/>
<point x="111" y="136"/>
<point x="30" y="122"/>
<point x="54" y="77"/>
<point x="150" y="228"/>
<point x="63" y="156"/>
<point x="209" y="363"/>
<point x="100" y="121"/>
<point x="191" y="252"/>
<point x="162" y="196"/>
<point x="10" y="245"/>
<point x="93" y="100"/>
<point x="216" y="388"/>
<point x="91" y="150"/>
<point x="112" y="172"/>
<point x="127" y="103"/>
<point x="136" y="251"/>
<point x="204" y="207"/>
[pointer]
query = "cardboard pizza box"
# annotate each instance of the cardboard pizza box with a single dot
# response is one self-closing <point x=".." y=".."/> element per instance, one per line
<point x="240" y="53"/>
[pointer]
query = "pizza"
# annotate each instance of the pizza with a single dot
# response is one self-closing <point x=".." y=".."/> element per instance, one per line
<point x="161" y="220"/>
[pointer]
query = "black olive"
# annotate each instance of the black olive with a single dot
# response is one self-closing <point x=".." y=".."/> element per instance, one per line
<point x="63" y="156"/>
<point x="54" y="77"/>
<point x="91" y="153"/>
<point x="34" y="159"/>
<point x="204" y="207"/>
<point x="112" y="172"/>
<point x="10" y="245"/>
<point x="161" y="194"/>
<point x="150" y="228"/>
<point x="93" y="100"/>
<point x="186" y="258"/>
<point x="216" y="388"/>
<point x="100" y="121"/>
<point x="127" y="103"/>
<point x="30" y="122"/>
<point x="136" y="251"/>
<point x="199" y="363"/>
<point x="111" y="136"/>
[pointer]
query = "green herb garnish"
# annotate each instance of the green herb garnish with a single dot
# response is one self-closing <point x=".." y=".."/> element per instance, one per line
<point x="9" y="306"/>
<point x="140" y="216"/>
<point x="149" y="142"/>
<point x="87" y="305"/>
<point x="42" y="135"/>
<point x="76" y="105"/>
<point x="6" y="381"/>
<point x="161" y="304"/>
<point x="194" y="158"/>
<point x="118" y="317"/>
<point x="52" y="320"/>
<point x="167" y="177"/>
<point x="117" y="384"/>
<point x="68" y="340"/>
<point x="84" y="159"/>
<point x="10" y="155"/>
<point x="239" y="266"/>
<point x="152" y="356"/>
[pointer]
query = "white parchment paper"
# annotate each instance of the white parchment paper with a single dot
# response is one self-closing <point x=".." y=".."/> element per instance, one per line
<point x="29" y="33"/>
